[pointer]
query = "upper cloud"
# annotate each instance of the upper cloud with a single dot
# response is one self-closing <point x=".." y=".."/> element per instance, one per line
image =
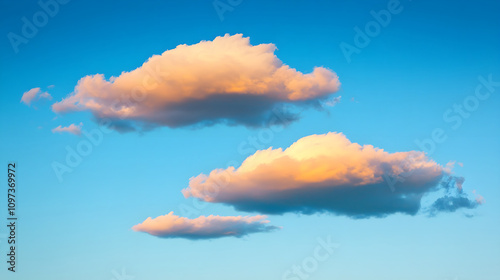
<point x="225" y="80"/>
<point x="33" y="95"/>
<point x="172" y="226"/>
<point x="72" y="128"/>
<point x="324" y="173"/>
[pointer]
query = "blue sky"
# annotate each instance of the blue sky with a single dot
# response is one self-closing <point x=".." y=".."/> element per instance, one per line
<point x="394" y="93"/>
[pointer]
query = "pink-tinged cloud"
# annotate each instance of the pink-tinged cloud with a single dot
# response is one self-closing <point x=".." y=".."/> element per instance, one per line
<point x="72" y="128"/>
<point x="34" y="94"/>
<point x="172" y="226"/>
<point x="226" y="80"/>
<point x="323" y="173"/>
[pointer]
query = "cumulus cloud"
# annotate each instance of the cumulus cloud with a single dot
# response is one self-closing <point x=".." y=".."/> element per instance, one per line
<point x="72" y="128"/>
<point x="323" y="173"/>
<point x="34" y="94"/>
<point x="226" y="80"/>
<point x="172" y="226"/>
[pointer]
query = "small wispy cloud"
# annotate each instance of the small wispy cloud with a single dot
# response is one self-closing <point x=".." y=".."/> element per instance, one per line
<point x="452" y="203"/>
<point x="72" y="128"/>
<point x="332" y="102"/>
<point x="33" y="95"/>
<point x="173" y="226"/>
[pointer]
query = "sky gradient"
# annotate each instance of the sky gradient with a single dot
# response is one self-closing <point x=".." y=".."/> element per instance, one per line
<point x="426" y="81"/>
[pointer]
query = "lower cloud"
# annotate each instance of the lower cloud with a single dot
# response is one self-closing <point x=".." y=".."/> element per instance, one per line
<point x="329" y="173"/>
<point x="172" y="226"/>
